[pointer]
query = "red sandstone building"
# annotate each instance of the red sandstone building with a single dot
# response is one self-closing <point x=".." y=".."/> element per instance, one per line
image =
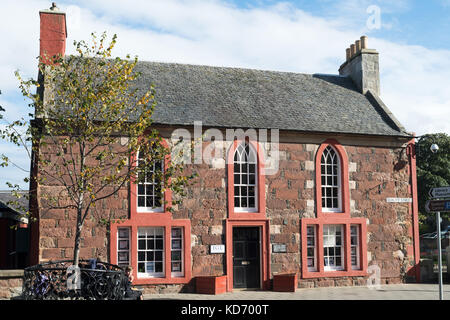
<point x="342" y="203"/>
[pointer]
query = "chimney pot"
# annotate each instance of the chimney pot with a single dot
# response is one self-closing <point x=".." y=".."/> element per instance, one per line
<point x="54" y="7"/>
<point x="364" y="42"/>
<point x="352" y="50"/>
<point x="358" y="45"/>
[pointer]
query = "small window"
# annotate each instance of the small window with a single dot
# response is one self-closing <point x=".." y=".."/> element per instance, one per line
<point x="245" y="179"/>
<point x="330" y="180"/>
<point x="123" y="247"/>
<point x="150" y="252"/>
<point x="333" y="247"/>
<point x="177" y="252"/>
<point x="149" y="197"/>
<point x="354" y="246"/>
<point x="311" y="248"/>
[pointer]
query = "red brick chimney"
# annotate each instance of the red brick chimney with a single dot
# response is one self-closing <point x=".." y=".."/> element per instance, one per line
<point x="53" y="33"/>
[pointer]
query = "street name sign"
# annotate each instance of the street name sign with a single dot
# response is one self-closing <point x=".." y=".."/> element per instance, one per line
<point x="437" y="205"/>
<point x="441" y="192"/>
<point x="399" y="200"/>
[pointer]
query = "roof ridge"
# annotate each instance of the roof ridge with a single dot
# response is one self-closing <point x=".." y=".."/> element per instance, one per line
<point x="234" y="68"/>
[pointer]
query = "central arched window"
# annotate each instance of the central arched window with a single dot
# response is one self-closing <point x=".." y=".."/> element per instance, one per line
<point x="245" y="179"/>
<point x="330" y="167"/>
<point x="149" y="195"/>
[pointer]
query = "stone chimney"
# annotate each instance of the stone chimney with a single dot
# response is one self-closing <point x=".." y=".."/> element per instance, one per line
<point x="361" y="66"/>
<point x="53" y="33"/>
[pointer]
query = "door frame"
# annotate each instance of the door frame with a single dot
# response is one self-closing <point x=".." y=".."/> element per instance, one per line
<point x="263" y="225"/>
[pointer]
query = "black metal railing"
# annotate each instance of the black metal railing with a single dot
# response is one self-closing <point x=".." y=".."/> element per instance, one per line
<point x="99" y="281"/>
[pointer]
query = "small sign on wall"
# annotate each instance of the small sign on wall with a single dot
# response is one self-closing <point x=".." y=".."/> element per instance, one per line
<point x="217" y="248"/>
<point x="279" y="248"/>
<point x="399" y="200"/>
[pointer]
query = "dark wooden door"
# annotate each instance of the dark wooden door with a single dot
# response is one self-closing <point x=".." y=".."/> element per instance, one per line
<point x="246" y="257"/>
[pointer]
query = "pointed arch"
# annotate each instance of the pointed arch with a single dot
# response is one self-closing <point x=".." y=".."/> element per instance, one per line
<point x="332" y="181"/>
<point x="246" y="192"/>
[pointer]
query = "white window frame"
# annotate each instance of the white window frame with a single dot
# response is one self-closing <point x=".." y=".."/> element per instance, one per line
<point x="181" y="250"/>
<point x="329" y="231"/>
<point x="252" y="158"/>
<point x="145" y="184"/>
<point x="122" y="250"/>
<point x="355" y="244"/>
<point x="312" y="268"/>
<point x="149" y="231"/>
<point x="339" y="181"/>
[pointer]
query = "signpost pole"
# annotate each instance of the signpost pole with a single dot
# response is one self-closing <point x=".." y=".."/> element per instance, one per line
<point x="438" y="223"/>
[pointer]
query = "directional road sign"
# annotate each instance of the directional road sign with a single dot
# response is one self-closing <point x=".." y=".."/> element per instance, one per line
<point x="437" y="205"/>
<point x="442" y="192"/>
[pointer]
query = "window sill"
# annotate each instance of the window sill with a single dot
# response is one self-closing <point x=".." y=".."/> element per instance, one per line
<point x="332" y="274"/>
<point x="150" y="211"/>
<point x="237" y="210"/>
<point x="164" y="280"/>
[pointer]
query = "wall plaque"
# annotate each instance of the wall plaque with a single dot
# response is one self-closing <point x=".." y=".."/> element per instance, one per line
<point x="217" y="248"/>
<point x="279" y="248"/>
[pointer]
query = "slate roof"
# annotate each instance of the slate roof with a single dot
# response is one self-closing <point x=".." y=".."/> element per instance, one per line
<point x="9" y="210"/>
<point x="248" y="98"/>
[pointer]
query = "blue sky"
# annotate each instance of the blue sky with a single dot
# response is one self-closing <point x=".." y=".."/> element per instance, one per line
<point x="412" y="37"/>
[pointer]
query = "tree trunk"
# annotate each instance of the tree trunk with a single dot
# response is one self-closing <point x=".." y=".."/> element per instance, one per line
<point x="76" y="249"/>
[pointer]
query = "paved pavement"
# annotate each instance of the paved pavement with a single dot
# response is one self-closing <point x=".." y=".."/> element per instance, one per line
<point x="385" y="292"/>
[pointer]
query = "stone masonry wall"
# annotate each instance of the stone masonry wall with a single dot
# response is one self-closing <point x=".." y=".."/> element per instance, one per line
<point x="376" y="173"/>
<point x="10" y="283"/>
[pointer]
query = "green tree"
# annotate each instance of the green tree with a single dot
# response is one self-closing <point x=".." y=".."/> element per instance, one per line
<point x="433" y="170"/>
<point x="88" y="124"/>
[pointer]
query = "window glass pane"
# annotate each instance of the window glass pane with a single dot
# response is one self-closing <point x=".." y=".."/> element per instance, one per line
<point x="176" y="267"/>
<point x="176" y="232"/>
<point x="333" y="250"/>
<point x="176" y="255"/>
<point x="148" y="254"/>
<point x="245" y="177"/>
<point x="158" y="255"/>
<point x="149" y="184"/>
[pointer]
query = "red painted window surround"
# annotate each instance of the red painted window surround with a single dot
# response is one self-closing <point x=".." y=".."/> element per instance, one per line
<point x="346" y="222"/>
<point x="345" y="195"/>
<point x="261" y="213"/>
<point x="328" y="218"/>
<point x="241" y="219"/>
<point x="154" y="219"/>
